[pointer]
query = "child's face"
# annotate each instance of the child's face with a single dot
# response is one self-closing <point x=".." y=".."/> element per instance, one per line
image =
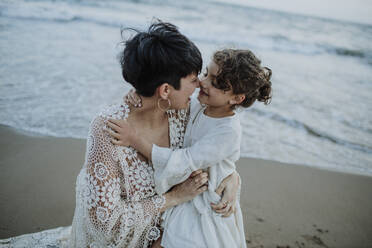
<point x="209" y="94"/>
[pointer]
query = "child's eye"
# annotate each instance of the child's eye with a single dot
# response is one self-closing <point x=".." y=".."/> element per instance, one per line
<point x="214" y="84"/>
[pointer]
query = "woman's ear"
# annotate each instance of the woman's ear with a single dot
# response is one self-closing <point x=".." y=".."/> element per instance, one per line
<point x="237" y="99"/>
<point x="164" y="90"/>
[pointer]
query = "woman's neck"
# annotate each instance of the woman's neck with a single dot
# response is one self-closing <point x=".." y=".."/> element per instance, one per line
<point x="149" y="113"/>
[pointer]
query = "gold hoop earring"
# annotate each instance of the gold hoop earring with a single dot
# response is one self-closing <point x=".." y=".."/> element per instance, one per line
<point x="168" y="107"/>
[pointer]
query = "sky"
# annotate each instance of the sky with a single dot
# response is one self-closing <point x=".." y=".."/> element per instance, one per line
<point x="359" y="11"/>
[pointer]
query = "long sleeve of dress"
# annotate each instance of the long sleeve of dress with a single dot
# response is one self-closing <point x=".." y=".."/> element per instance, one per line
<point x="115" y="209"/>
<point x="174" y="166"/>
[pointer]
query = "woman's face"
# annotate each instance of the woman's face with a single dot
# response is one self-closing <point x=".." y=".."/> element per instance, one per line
<point x="180" y="99"/>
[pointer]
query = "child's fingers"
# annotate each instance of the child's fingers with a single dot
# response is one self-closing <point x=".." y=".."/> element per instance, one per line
<point x="229" y="212"/>
<point x="135" y="100"/>
<point x="116" y="122"/>
<point x="223" y="210"/>
<point x="113" y="126"/>
<point x="218" y="206"/>
<point x="220" y="188"/>
<point x="113" y="134"/>
<point x="115" y="142"/>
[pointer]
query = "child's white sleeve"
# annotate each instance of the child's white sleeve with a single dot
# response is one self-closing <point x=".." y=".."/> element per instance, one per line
<point x="174" y="166"/>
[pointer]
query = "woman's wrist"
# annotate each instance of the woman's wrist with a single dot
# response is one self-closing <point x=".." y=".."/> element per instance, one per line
<point x="170" y="201"/>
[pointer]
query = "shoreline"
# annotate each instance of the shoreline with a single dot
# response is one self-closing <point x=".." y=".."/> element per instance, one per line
<point x="332" y="169"/>
<point x="283" y="204"/>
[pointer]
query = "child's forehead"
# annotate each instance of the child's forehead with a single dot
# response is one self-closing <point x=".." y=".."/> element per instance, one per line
<point x="212" y="68"/>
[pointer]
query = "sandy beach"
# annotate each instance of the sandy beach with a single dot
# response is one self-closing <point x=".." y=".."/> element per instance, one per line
<point x="284" y="205"/>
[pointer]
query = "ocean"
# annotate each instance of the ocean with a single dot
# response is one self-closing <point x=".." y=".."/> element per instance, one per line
<point x="59" y="67"/>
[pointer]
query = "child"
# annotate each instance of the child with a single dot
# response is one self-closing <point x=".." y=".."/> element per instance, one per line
<point x="234" y="78"/>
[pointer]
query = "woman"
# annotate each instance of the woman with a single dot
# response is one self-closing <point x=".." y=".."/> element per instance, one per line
<point x="116" y="205"/>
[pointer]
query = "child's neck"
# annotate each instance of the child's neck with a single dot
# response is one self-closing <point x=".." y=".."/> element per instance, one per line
<point x="219" y="112"/>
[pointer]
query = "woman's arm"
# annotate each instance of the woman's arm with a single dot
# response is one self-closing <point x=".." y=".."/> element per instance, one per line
<point x="113" y="215"/>
<point x="187" y="190"/>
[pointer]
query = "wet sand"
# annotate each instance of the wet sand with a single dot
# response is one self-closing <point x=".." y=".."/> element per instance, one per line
<point x="284" y="205"/>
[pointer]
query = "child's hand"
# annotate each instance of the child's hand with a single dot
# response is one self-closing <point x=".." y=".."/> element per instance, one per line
<point x="122" y="132"/>
<point x="228" y="188"/>
<point x="133" y="98"/>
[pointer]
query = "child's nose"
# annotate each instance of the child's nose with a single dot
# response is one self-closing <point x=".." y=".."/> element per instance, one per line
<point x="198" y="84"/>
<point x="201" y="83"/>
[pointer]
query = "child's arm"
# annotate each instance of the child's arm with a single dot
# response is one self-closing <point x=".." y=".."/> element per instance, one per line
<point x="171" y="167"/>
<point x="174" y="166"/>
<point x="126" y="135"/>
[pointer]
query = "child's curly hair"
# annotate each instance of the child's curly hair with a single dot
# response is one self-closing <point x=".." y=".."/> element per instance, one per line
<point x="241" y="71"/>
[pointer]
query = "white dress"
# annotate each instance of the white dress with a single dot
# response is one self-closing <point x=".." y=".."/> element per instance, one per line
<point x="116" y="202"/>
<point x="212" y="143"/>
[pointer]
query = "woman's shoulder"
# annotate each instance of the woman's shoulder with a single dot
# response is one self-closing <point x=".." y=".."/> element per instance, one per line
<point x="115" y="111"/>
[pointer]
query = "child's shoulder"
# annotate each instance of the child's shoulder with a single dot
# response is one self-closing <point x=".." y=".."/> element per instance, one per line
<point x="232" y="122"/>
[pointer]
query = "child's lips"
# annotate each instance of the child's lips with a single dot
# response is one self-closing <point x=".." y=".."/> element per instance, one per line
<point x="202" y="92"/>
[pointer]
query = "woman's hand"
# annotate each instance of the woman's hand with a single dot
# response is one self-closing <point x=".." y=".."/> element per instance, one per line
<point x="122" y="132"/>
<point x="157" y="243"/>
<point x="228" y="189"/>
<point x="187" y="190"/>
<point x="133" y="99"/>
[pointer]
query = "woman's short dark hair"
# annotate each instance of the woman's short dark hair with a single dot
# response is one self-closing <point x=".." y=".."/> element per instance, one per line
<point x="156" y="56"/>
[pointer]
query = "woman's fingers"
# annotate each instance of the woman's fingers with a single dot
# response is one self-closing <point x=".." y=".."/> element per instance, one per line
<point x="200" y="180"/>
<point x="195" y="173"/>
<point x="202" y="189"/>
